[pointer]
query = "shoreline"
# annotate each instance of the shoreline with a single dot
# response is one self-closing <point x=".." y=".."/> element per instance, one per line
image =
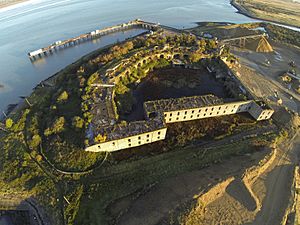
<point x="241" y="10"/>
<point x="5" y="5"/>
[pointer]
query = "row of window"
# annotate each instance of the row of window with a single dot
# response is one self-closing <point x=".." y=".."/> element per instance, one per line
<point x="266" y="112"/>
<point x="206" y="110"/>
<point x="204" y="115"/>
<point x="263" y="117"/>
<point x="139" y="138"/>
<point x="148" y="135"/>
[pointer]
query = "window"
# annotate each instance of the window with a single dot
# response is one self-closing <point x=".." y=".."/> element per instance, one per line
<point x="206" y="110"/>
<point x="184" y="117"/>
<point x="139" y="137"/>
<point x="199" y="111"/>
<point x="231" y="110"/>
<point x="185" y="112"/>
<point x="220" y="108"/>
<point x="170" y="119"/>
<point x="158" y="137"/>
<point x="178" y="113"/>
<point x="191" y="117"/>
<point x="193" y="111"/>
<point x="129" y="140"/>
<point x="224" y="112"/>
<point x="99" y="146"/>
<point x="204" y="114"/>
<point x="147" y="140"/>
<point x="210" y="114"/>
<point x="165" y="115"/>
<point x="170" y="114"/>
<point x="218" y="113"/>
<point x="212" y="109"/>
<point x="114" y="143"/>
<point x="129" y="145"/>
<point x="234" y="106"/>
<point x="226" y="107"/>
<point x="148" y="135"/>
<point x="139" y="142"/>
<point x="177" y="118"/>
<point x="198" y="115"/>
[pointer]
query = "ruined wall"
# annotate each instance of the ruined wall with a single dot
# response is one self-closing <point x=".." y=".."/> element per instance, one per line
<point x="259" y="113"/>
<point x="129" y="142"/>
<point x="207" y="112"/>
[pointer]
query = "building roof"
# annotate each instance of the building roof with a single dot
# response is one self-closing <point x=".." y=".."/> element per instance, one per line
<point x="123" y="130"/>
<point x="174" y="104"/>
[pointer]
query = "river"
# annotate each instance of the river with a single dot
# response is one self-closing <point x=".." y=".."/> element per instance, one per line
<point x="38" y="23"/>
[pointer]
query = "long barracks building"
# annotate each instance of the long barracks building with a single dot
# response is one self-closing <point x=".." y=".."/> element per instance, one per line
<point x="161" y="112"/>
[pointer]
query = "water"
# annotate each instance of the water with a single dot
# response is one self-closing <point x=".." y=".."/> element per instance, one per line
<point x="39" y="23"/>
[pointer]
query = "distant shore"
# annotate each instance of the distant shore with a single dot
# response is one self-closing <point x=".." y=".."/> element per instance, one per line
<point x="242" y="10"/>
<point x="4" y="4"/>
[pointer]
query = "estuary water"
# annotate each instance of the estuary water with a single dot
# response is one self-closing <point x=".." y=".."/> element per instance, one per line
<point x="38" y="23"/>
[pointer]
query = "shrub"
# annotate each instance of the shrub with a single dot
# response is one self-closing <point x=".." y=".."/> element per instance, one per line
<point x="63" y="97"/>
<point x="100" y="138"/>
<point x="58" y="126"/>
<point x="9" y="123"/>
<point x="35" y="141"/>
<point x="77" y="122"/>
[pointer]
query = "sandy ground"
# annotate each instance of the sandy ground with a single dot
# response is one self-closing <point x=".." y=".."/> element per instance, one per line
<point x="159" y="204"/>
<point x="6" y="3"/>
<point x="281" y="11"/>
<point x="272" y="188"/>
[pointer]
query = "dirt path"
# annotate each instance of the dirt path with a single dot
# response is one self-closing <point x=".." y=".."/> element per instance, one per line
<point x="278" y="183"/>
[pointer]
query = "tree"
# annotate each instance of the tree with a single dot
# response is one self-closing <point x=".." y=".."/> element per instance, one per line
<point x="9" y="123"/>
<point x="195" y="57"/>
<point x="77" y="122"/>
<point x="58" y="126"/>
<point x="35" y="141"/>
<point x="63" y="97"/>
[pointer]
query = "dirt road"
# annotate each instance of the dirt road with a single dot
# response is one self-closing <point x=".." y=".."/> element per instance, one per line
<point x="278" y="185"/>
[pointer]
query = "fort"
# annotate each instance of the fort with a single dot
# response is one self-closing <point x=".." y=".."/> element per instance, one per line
<point x="105" y="134"/>
<point x="161" y="112"/>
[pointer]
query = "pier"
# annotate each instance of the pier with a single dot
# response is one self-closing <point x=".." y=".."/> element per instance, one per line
<point x="91" y="35"/>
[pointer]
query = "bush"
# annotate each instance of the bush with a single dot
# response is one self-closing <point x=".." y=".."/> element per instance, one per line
<point x="35" y="141"/>
<point x="100" y="138"/>
<point x="58" y="126"/>
<point x="78" y="122"/>
<point x="9" y="123"/>
<point x="63" y="97"/>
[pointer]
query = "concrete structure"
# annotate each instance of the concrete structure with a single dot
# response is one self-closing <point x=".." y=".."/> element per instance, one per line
<point x="241" y="41"/>
<point x="122" y="136"/>
<point x="161" y="112"/>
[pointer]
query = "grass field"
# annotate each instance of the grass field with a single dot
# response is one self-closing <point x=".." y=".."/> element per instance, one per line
<point x="280" y="11"/>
